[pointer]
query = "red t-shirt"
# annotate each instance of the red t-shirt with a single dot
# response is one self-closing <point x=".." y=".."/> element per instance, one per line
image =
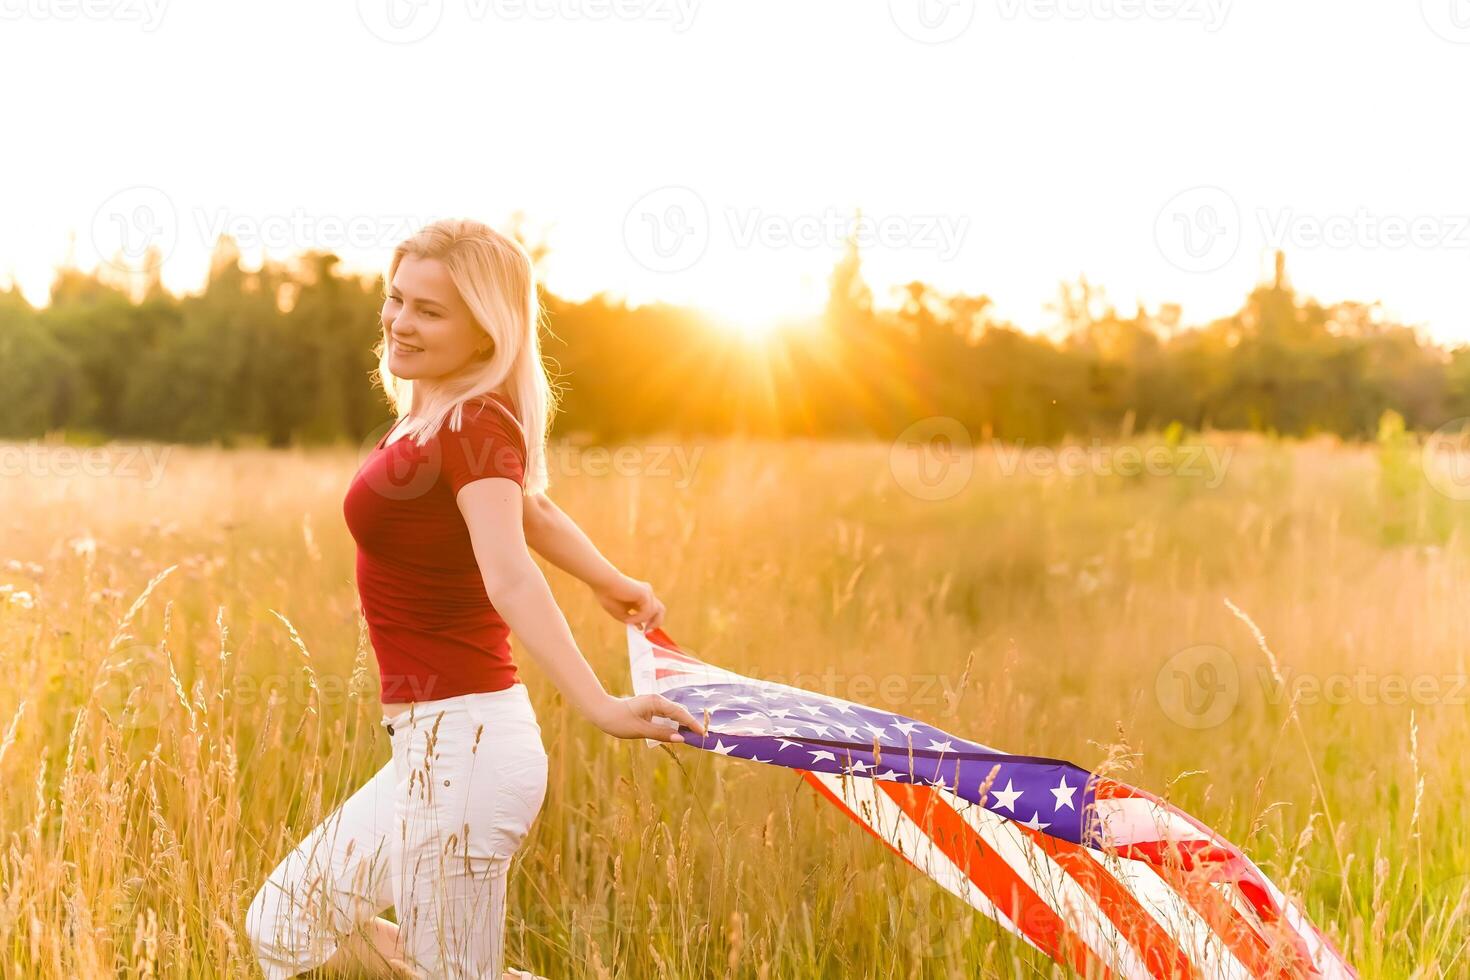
<point x="432" y="626"/>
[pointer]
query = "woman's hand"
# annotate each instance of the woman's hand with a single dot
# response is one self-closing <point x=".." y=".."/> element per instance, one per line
<point x="633" y="718"/>
<point x="629" y="600"/>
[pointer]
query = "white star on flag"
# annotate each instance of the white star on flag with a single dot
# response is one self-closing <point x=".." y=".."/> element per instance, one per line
<point x="1063" y="793"/>
<point x="1007" y="797"/>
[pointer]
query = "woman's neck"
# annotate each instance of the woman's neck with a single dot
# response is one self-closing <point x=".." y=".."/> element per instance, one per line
<point x="416" y="399"/>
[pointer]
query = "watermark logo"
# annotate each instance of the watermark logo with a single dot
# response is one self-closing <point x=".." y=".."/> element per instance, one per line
<point x="1199" y="229"/>
<point x="400" y="21"/>
<point x="668" y="229"/>
<point x="932" y="459"/>
<point x="1445" y="459"/>
<point x="136" y="687"/>
<point x="1198" y="687"/>
<point x="401" y="469"/>
<point x="131" y="222"/>
<point x="932" y="21"/>
<point x="922" y="917"/>
<point x="1450" y="19"/>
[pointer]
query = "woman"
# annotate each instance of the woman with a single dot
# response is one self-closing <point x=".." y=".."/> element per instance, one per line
<point x="443" y="510"/>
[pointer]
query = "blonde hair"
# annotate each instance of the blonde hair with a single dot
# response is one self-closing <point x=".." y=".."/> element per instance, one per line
<point x="496" y="280"/>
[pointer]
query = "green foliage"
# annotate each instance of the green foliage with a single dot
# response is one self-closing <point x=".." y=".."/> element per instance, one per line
<point x="1397" y="477"/>
<point x="283" y="356"/>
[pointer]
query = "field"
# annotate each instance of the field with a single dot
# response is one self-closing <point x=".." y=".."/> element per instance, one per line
<point x="159" y="757"/>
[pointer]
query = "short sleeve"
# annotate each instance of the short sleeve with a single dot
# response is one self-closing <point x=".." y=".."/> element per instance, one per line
<point x="488" y="443"/>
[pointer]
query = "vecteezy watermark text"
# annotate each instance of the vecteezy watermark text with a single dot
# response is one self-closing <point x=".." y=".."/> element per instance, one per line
<point x="409" y="21"/>
<point x="1201" y="686"/>
<point x="641" y="461"/>
<point x="1365" y="687"/>
<point x="940" y="233"/>
<point x="1207" y="462"/>
<point x="147" y="13"/>
<point x="670" y="228"/>
<point x="934" y="459"/>
<point x="1285" y="228"/>
<point x="117" y="460"/>
<point x="135" y="220"/>
<point x="1201" y="229"/>
<point x="1211" y="14"/>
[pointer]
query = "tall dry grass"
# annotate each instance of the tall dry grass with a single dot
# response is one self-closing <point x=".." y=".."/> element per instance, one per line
<point x="166" y="739"/>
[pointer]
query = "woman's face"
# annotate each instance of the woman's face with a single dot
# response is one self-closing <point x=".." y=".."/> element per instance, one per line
<point x="429" y="330"/>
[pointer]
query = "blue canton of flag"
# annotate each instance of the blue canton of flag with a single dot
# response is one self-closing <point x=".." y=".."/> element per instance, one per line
<point x="771" y="723"/>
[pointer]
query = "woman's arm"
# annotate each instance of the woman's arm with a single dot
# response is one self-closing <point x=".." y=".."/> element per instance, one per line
<point x="493" y="513"/>
<point x="558" y="539"/>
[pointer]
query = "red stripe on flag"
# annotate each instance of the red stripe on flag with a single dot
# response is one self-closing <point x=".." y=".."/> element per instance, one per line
<point x="1239" y="936"/>
<point x="993" y="875"/>
<point x="663" y="646"/>
<point x="1200" y="862"/>
<point x="821" y="787"/>
<point x="1217" y="860"/>
<point x="842" y="805"/>
<point x="1161" y="954"/>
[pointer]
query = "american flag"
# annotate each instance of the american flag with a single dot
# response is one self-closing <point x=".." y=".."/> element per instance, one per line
<point x="1100" y="876"/>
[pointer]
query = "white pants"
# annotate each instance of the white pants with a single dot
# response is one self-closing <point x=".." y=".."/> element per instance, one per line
<point x="432" y="834"/>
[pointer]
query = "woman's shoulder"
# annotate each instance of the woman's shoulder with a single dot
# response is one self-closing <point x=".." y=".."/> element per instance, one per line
<point x="496" y="398"/>
<point x="492" y="410"/>
<point x="487" y="442"/>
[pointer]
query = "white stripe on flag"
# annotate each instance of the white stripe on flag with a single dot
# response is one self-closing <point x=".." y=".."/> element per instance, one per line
<point x="866" y="803"/>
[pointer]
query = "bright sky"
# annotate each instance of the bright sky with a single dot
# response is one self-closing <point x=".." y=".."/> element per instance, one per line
<point x="710" y="152"/>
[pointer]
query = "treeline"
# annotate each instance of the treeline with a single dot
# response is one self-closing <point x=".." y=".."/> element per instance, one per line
<point x="282" y="356"/>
